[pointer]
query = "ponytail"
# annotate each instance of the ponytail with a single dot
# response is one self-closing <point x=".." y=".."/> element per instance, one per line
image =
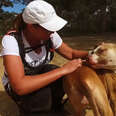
<point x="19" y="24"/>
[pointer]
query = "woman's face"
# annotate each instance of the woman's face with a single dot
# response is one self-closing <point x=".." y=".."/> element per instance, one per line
<point x="39" y="32"/>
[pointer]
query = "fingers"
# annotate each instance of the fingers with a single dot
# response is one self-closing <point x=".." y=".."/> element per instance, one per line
<point x="77" y="62"/>
<point x="72" y="65"/>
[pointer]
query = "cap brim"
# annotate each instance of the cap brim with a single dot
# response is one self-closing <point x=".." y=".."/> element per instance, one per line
<point x="55" y="24"/>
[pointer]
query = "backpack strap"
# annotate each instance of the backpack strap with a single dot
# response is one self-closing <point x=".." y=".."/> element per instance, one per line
<point x="10" y="32"/>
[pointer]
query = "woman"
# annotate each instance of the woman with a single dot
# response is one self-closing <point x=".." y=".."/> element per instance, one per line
<point x="33" y="83"/>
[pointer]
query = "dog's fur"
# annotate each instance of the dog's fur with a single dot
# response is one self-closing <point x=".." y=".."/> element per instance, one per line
<point x="105" y="54"/>
<point x="99" y="86"/>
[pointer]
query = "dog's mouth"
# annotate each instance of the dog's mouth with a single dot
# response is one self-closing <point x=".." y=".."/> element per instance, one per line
<point x="92" y="61"/>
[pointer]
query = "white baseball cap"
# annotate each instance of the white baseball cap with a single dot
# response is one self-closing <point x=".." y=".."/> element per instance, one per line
<point x="43" y="13"/>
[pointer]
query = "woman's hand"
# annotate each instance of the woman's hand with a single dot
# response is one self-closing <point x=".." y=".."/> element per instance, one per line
<point x="72" y="65"/>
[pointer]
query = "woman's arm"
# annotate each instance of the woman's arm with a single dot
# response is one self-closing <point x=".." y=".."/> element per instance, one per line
<point x="70" y="53"/>
<point x="23" y="84"/>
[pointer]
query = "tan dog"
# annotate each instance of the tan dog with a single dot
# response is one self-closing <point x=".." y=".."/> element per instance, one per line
<point x="99" y="88"/>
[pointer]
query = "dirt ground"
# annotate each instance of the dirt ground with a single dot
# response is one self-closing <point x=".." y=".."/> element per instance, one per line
<point x="9" y="108"/>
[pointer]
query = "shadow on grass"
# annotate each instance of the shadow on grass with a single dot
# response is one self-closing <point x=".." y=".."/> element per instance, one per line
<point x="7" y="106"/>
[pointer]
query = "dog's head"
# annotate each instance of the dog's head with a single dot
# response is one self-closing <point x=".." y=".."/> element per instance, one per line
<point x="104" y="54"/>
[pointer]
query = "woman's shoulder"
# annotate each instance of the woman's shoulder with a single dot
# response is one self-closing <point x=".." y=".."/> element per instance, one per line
<point x="9" y="46"/>
<point x="9" y="39"/>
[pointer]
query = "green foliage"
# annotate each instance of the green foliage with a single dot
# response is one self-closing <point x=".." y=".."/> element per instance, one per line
<point x="5" y="3"/>
<point x="6" y="20"/>
<point x="83" y="16"/>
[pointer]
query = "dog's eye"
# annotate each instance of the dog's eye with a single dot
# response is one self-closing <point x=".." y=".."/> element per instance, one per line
<point x="92" y="52"/>
<point x="100" y="51"/>
<point x="110" y="60"/>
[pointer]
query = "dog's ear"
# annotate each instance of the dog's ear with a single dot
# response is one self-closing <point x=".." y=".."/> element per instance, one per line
<point x="98" y="44"/>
